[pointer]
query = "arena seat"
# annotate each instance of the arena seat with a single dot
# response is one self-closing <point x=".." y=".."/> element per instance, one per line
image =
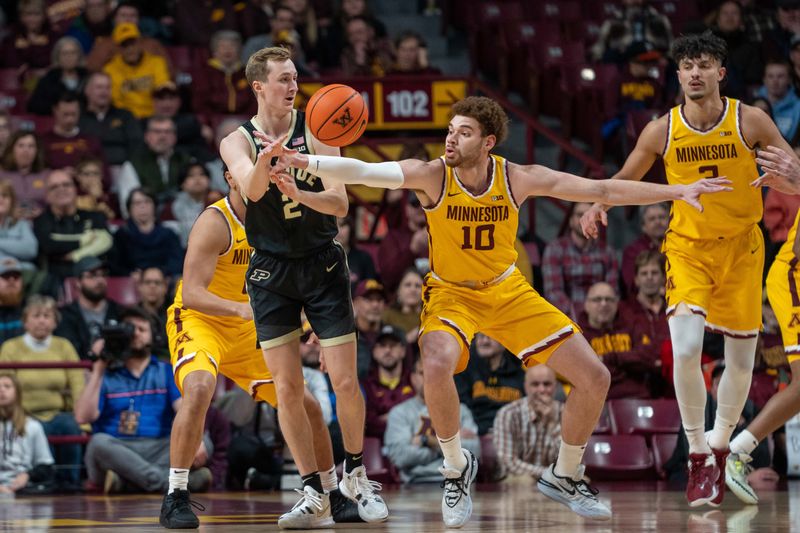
<point x="547" y="63"/>
<point x="663" y="444"/>
<point x="487" y="31"/>
<point x="378" y="467"/>
<point x="644" y="417"/>
<point x="121" y="289"/>
<point x="617" y="457"/>
<point x="521" y="39"/>
<point x="635" y="122"/>
<point x="489" y="466"/>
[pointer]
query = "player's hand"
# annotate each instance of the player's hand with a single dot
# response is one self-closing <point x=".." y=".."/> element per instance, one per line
<point x="763" y="478"/>
<point x="691" y="193"/>
<point x="286" y="184"/>
<point x="244" y="311"/>
<point x="590" y="219"/>
<point x="781" y="170"/>
<point x="271" y="148"/>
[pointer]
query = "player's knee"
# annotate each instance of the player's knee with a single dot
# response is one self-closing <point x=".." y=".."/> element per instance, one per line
<point x="290" y="391"/>
<point x="598" y="380"/>
<point x="198" y="388"/>
<point x="437" y="367"/>
<point x="345" y="385"/>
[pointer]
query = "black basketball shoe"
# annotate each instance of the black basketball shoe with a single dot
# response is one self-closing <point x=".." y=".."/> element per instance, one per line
<point x="176" y="511"/>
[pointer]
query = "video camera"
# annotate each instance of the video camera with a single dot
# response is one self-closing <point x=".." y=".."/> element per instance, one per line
<point x="117" y="337"/>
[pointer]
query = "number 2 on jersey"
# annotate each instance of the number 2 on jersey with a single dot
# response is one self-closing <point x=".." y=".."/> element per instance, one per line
<point x="289" y="207"/>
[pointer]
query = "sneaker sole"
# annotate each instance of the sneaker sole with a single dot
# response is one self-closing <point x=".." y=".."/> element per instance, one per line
<point x="180" y="525"/>
<point x="744" y="493"/>
<point x="457" y="525"/>
<point x="705" y="501"/>
<point x="558" y="498"/>
<point x="320" y="524"/>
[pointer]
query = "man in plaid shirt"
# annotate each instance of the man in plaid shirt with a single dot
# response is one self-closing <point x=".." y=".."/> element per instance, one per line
<point x="572" y="263"/>
<point x="527" y="432"/>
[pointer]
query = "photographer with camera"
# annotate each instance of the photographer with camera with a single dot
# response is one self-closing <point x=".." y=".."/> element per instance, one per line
<point x="130" y="399"/>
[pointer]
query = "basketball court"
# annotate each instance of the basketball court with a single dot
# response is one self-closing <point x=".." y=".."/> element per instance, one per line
<point x="510" y="506"/>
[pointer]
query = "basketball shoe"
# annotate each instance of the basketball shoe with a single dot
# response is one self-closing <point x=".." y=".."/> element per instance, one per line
<point x="720" y="456"/>
<point x="357" y="487"/>
<point x="313" y="511"/>
<point x="573" y="492"/>
<point x="457" y="500"/>
<point x="704" y="474"/>
<point x="176" y="511"/>
<point x="737" y="468"/>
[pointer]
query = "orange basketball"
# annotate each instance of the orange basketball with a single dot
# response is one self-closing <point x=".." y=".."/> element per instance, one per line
<point x="337" y="115"/>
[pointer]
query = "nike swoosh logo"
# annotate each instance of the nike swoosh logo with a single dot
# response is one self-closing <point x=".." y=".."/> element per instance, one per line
<point x="328" y="269"/>
<point x="453" y="193"/>
<point x="240" y="240"/>
<point x="754" y="250"/>
<point x="557" y="487"/>
<point x="678" y="138"/>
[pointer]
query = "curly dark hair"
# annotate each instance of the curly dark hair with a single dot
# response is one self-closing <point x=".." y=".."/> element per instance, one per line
<point x="693" y="46"/>
<point x="489" y="114"/>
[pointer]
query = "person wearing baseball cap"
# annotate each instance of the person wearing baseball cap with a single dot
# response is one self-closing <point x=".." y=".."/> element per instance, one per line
<point x="369" y="301"/>
<point x="10" y="299"/>
<point x="134" y="72"/>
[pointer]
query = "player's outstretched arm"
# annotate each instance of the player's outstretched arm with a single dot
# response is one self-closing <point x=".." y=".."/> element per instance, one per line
<point x="536" y="180"/>
<point x="778" y="161"/>
<point x="252" y="178"/>
<point x="650" y="144"/>
<point x="209" y="237"/>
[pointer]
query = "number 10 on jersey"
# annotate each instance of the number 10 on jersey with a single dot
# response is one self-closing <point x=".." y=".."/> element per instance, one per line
<point x="483" y="238"/>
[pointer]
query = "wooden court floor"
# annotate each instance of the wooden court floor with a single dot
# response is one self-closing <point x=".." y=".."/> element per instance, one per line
<point x="516" y="506"/>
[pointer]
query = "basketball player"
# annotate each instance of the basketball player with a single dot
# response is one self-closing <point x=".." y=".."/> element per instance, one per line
<point x="782" y="291"/>
<point x="296" y="265"/>
<point x="210" y="329"/>
<point x="714" y="258"/>
<point x="471" y="199"/>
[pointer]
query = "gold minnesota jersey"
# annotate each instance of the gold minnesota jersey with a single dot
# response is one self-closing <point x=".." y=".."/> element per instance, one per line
<point x="722" y="150"/>
<point x="786" y="254"/>
<point x="229" y="276"/>
<point x="471" y="237"/>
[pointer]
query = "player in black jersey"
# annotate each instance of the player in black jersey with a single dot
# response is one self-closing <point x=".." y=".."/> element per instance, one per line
<point x="296" y="265"/>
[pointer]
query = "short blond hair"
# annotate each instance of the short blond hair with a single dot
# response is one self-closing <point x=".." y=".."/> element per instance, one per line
<point x="38" y="302"/>
<point x="257" y="68"/>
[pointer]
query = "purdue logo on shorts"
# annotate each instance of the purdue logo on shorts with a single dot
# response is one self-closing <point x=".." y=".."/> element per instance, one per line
<point x="259" y="275"/>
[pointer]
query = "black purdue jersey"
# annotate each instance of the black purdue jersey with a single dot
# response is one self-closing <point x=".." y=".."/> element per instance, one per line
<point x="277" y="224"/>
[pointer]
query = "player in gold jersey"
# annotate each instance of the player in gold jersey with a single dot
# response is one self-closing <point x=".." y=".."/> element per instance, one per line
<point x="210" y="329"/>
<point x="783" y="281"/>
<point x="472" y="199"/>
<point x="714" y="258"/>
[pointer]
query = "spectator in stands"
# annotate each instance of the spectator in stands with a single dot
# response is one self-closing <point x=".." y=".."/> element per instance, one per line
<point x="411" y="55"/>
<point x="794" y="59"/>
<point x="194" y="196"/>
<point x="404" y="313"/>
<point x="23" y="165"/>
<point x="49" y="394"/>
<point x="786" y="24"/>
<point x="82" y="319"/>
<point x="11" y="293"/>
<point x="389" y="380"/>
<point x="156" y="165"/>
<point x="106" y="47"/>
<point x="130" y="406"/>
<point x="65" y="233"/>
<point x="410" y="441"/>
<point x="640" y="88"/>
<point x="758" y="20"/>
<point x="572" y="263"/>
<point x="143" y="241"/>
<point x="197" y="20"/>
<point x="220" y="86"/>
<point x="780" y="211"/>
<point x="364" y="55"/>
<point x="92" y="193"/>
<point x="192" y="136"/>
<point x="282" y="29"/>
<point x="134" y="72"/>
<point x="634" y="21"/>
<point x="118" y="130"/>
<point x="334" y="38"/>
<point x="493" y="378"/>
<point x="66" y="145"/>
<point x="782" y="97"/>
<point x="369" y="300"/>
<point x="26" y="456"/>
<point x="308" y="24"/>
<point x="215" y="166"/>
<point x="359" y="261"/>
<point x="618" y="344"/>
<point x="254" y="17"/>
<point x="17" y="240"/>
<point x="654" y="220"/>
<point x="151" y="288"/>
<point x="94" y="22"/>
<point x="744" y="64"/>
<point x="67" y="73"/>
<point x="646" y="307"/>
<point x="405" y="247"/>
<point x="30" y="42"/>
<point x="6" y="129"/>
<point x="527" y="432"/>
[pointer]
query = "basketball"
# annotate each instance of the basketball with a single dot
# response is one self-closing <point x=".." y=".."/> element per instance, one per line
<point x="337" y="115"/>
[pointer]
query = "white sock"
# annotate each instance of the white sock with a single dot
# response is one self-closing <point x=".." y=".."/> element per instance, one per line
<point x="744" y="442"/>
<point x="569" y="459"/>
<point x="686" y="332"/>
<point x="453" y="455"/>
<point x="329" y="480"/>
<point x="734" y="385"/>
<point x="178" y="479"/>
